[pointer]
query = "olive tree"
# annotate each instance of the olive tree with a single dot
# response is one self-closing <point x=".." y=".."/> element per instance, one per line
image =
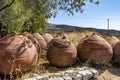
<point x="32" y="15"/>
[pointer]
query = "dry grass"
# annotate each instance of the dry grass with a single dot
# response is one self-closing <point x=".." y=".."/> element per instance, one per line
<point x="76" y="38"/>
<point x="43" y="66"/>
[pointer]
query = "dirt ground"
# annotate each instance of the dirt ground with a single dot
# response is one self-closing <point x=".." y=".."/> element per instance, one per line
<point x="109" y="73"/>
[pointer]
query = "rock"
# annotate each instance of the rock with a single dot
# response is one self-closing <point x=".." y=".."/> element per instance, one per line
<point x="31" y="79"/>
<point x="95" y="49"/>
<point x="69" y="71"/>
<point x="35" y="75"/>
<point x="86" y="75"/>
<point x="77" y="77"/>
<point x="42" y="77"/>
<point x="55" y="78"/>
<point x="83" y="68"/>
<point x="77" y="74"/>
<point x="67" y="78"/>
<point x="95" y="73"/>
<point x="39" y="78"/>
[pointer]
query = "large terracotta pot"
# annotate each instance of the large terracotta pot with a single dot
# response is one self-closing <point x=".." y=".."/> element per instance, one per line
<point x="112" y="40"/>
<point x="41" y="40"/>
<point x="95" y="49"/>
<point x="48" y="37"/>
<point x="17" y="54"/>
<point x="116" y="55"/>
<point x="61" y="52"/>
<point x="34" y="40"/>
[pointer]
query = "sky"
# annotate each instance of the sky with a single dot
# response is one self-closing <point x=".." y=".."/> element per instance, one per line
<point x="94" y="16"/>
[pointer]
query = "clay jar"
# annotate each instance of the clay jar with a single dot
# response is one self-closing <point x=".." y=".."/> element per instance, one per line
<point x="112" y="40"/>
<point x="40" y="40"/>
<point x="17" y="54"/>
<point x="61" y="52"/>
<point x="95" y="49"/>
<point x="33" y="39"/>
<point x="116" y="55"/>
<point x="48" y="37"/>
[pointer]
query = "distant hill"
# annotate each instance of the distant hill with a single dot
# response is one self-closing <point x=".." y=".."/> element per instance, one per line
<point x="69" y="28"/>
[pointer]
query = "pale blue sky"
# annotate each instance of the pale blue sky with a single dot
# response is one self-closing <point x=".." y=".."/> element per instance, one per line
<point x="93" y="16"/>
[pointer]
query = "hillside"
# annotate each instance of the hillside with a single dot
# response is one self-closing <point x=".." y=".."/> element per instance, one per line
<point x="69" y="28"/>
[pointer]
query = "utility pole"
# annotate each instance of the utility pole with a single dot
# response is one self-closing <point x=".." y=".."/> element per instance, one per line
<point x="108" y="25"/>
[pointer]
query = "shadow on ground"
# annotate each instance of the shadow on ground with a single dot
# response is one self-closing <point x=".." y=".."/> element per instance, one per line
<point x="115" y="70"/>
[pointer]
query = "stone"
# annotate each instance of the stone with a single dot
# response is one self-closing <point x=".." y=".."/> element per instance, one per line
<point x="31" y="79"/>
<point x="83" y="73"/>
<point x="77" y="77"/>
<point x="42" y="77"/>
<point x="38" y="77"/>
<point x="94" y="72"/>
<point x="67" y="78"/>
<point x="34" y="74"/>
<point x="69" y="71"/>
<point x="55" y="78"/>
<point x="83" y="68"/>
<point x="87" y="75"/>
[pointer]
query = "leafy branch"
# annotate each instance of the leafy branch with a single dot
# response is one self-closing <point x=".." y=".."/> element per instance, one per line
<point x="7" y="5"/>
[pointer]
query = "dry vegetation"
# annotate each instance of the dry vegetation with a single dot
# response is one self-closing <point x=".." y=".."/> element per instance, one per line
<point x="107" y="72"/>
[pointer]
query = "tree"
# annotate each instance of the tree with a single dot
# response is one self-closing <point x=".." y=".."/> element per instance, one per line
<point x="19" y="17"/>
<point x="7" y="5"/>
<point x="32" y="15"/>
<point x="52" y="7"/>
